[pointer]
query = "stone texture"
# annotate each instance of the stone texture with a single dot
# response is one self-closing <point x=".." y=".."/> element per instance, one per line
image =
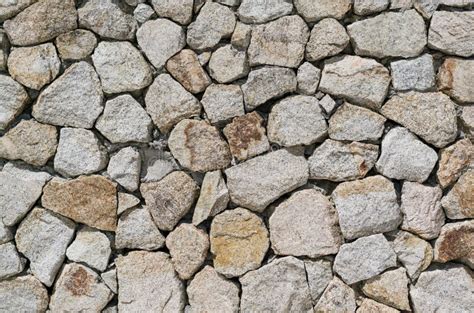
<point x="76" y="45"/>
<point x="110" y="279"/>
<point x="241" y="36"/>
<point x="23" y="293"/>
<point x="319" y="275"/>
<point x="315" y="10"/>
<point x="338" y="297"/>
<point x="454" y="77"/>
<point x="328" y="104"/>
<point x="143" y="12"/>
<point x="459" y="202"/>
<point x="467" y="121"/>
<point x="456" y="243"/>
<point x="308" y="77"/>
<point x="228" y="64"/>
<point x="413" y="74"/>
<point x="328" y="38"/>
<point x="12" y="8"/>
<point x="368" y="7"/>
<point x="180" y="11"/>
<point x="124" y="167"/>
<point x="253" y="12"/>
<point x="223" y="102"/>
<point x="156" y="164"/>
<point x="10" y="262"/>
<point x="90" y="247"/>
<point x="126" y="201"/>
<point x="13" y="98"/>
<point x="370" y="306"/>
<point x="187" y="70"/>
<point x="6" y="233"/>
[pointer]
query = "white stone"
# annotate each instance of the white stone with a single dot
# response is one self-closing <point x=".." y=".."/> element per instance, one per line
<point x="13" y="98"/>
<point x="124" y="167"/>
<point x="228" y="64"/>
<point x="90" y="247"/>
<point x="223" y="102"/>
<point x="319" y="275"/>
<point x="308" y="77"/>
<point x="368" y="7"/>
<point x="24" y="293"/>
<point x="338" y="297"/>
<point x="413" y="74"/>
<point x="251" y="11"/>
<point x="328" y="38"/>
<point x="10" y="262"/>
<point x="315" y="10"/>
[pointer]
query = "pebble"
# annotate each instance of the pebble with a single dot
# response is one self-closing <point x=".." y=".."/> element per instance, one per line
<point x="456" y="243"/>
<point x="124" y="168"/>
<point x="13" y="98"/>
<point x="315" y="10"/>
<point x="255" y="12"/>
<point x="319" y="275"/>
<point x="223" y="102"/>
<point x="23" y="293"/>
<point x="187" y="70"/>
<point x="459" y="202"/>
<point x="454" y="77"/>
<point x="11" y="263"/>
<point x="180" y="11"/>
<point x="308" y="77"/>
<point x="90" y="247"/>
<point x="336" y="297"/>
<point x="228" y="64"/>
<point x="76" y="45"/>
<point x="413" y="74"/>
<point x="369" y="7"/>
<point x="328" y="38"/>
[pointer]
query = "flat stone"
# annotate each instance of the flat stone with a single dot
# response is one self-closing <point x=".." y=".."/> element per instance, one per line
<point x="10" y="261"/>
<point x="27" y="173"/>
<point x="239" y="242"/>
<point x="368" y="7"/>
<point x="454" y="77"/>
<point x="258" y="182"/>
<point x="288" y="290"/>
<point x="405" y="157"/>
<point x="253" y="12"/>
<point x="319" y="275"/>
<point x="359" y="80"/>
<point x="228" y="64"/>
<point x="143" y="13"/>
<point x="124" y="167"/>
<point x="315" y="10"/>
<point x="328" y="38"/>
<point x="43" y="237"/>
<point x="23" y="293"/>
<point x="12" y="8"/>
<point x="110" y="279"/>
<point x="90" y="200"/>
<point x="370" y="306"/>
<point x="456" y="243"/>
<point x="180" y="11"/>
<point x="170" y="199"/>
<point x="413" y="74"/>
<point x="90" y="247"/>
<point x="13" y="98"/>
<point x="187" y="70"/>
<point x="241" y="36"/>
<point x="79" y="153"/>
<point x="338" y="161"/>
<point x="338" y="297"/>
<point x="392" y="34"/>
<point x="308" y="77"/>
<point x="41" y="22"/>
<point x="459" y="202"/>
<point x="223" y="102"/>
<point x="76" y="45"/>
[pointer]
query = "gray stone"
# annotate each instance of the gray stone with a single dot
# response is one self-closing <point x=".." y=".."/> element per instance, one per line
<point x="457" y="3"/>
<point x="76" y="45"/>
<point x="124" y="167"/>
<point x="156" y="164"/>
<point x="401" y="5"/>
<point x="338" y="297"/>
<point x="143" y="12"/>
<point x="459" y="202"/>
<point x="10" y="262"/>
<point x="454" y="79"/>
<point x="180" y="11"/>
<point x="413" y="74"/>
<point x="110" y="279"/>
<point x="319" y="275"/>
<point x="263" y="11"/>
<point x="467" y="121"/>
<point x="370" y="306"/>
<point x="228" y="64"/>
<point x="23" y="293"/>
<point x="308" y="77"/>
<point x="368" y="7"/>
<point x="223" y="102"/>
<point x="187" y="70"/>
<point x="26" y="173"/>
<point x="13" y="98"/>
<point x="328" y="104"/>
<point x="328" y="38"/>
<point x="315" y="10"/>
<point x="90" y="247"/>
<point x="426" y="7"/>
<point x="9" y="9"/>
<point x="241" y="36"/>
<point x="456" y="243"/>
<point x="6" y="233"/>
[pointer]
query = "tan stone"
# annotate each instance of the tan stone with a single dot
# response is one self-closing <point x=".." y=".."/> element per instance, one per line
<point x="455" y="78"/>
<point x="371" y="306"/>
<point x="186" y="69"/>
<point x="459" y="202"/>
<point x="453" y="161"/>
<point x="456" y="242"/>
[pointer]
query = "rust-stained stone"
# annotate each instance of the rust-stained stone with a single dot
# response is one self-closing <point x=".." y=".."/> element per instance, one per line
<point x="186" y="69"/>
<point x="455" y="78"/>
<point x="459" y="202"/>
<point x="453" y="161"/>
<point x="91" y="200"/>
<point x="456" y="242"/>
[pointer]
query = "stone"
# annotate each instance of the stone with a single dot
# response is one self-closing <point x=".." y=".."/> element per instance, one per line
<point x="422" y="211"/>
<point x="267" y="83"/>
<point x="255" y="12"/>
<point x="43" y="237"/>
<point x="228" y="64"/>
<point x="41" y="22"/>
<point x="401" y="5"/>
<point x="90" y="247"/>
<point x="23" y="293"/>
<point x="278" y="286"/>
<point x="328" y="38"/>
<point x="295" y="221"/>
<point x="110" y="279"/>
<point x="338" y="161"/>
<point x="456" y="243"/>
<point x="136" y="230"/>
<point x="258" y="182"/>
<point x="170" y="199"/>
<point x="180" y="11"/>
<point x="149" y="288"/>
<point x="213" y="23"/>
<point x="223" y="102"/>
<point x="198" y="146"/>
<point x="29" y="141"/>
<point x="338" y="297"/>
<point x="143" y="13"/>
<point x="319" y="275"/>
<point x="296" y="120"/>
<point x="359" y="80"/>
<point x="459" y="202"/>
<point x="213" y="198"/>
<point x="156" y="164"/>
<point x="456" y="3"/>
<point x="364" y="258"/>
<point x="11" y="263"/>
<point x="241" y="36"/>
<point x="447" y="289"/>
<point x="368" y="7"/>
<point x="246" y="136"/>
<point x="426" y="7"/>
<point x="281" y="42"/>
<point x="90" y="200"/>
<point x="467" y="121"/>
<point x="354" y="123"/>
<point x="413" y="74"/>
<point x="6" y="233"/>
<point x="79" y="153"/>
<point x="452" y="33"/>
<point x="315" y="10"/>
<point x="328" y="104"/>
<point x="453" y="79"/>
<point x="13" y="98"/>
<point x="76" y="45"/>
<point x="79" y="288"/>
<point x="74" y="99"/>
<point x="405" y="157"/>
<point x="308" y="77"/>
<point x="126" y="201"/>
<point x="370" y="306"/>
<point x="105" y="18"/>
<point x="34" y="67"/>
<point x="187" y="70"/>
<point x="188" y="246"/>
<point x="211" y="292"/>
<point x="27" y="173"/>
<point x="124" y="167"/>
<point x="12" y="8"/>
<point x="168" y="102"/>
<point x="125" y="120"/>
<point x="239" y="242"/>
<point x="392" y="34"/>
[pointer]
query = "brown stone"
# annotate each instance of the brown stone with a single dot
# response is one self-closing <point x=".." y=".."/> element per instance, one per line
<point x="456" y="242"/>
<point x="459" y="202"/>
<point x="455" y="78"/>
<point x="186" y="69"/>
<point x="453" y="161"/>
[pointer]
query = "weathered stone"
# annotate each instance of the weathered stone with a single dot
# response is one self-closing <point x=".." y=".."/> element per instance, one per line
<point x="241" y="36"/>
<point x="124" y="167"/>
<point x="338" y="161"/>
<point x="459" y="202"/>
<point x="338" y="297"/>
<point x="76" y="45"/>
<point x="263" y="11"/>
<point x="126" y="201"/>
<point x="401" y="5"/>
<point x="456" y="3"/>
<point x="156" y="164"/>
<point x="319" y="275"/>
<point x="368" y="7"/>
<point x="143" y="12"/>
<point x="6" y="233"/>
<point x="308" y="79"/>
<point x="10" y="262"/>
<point x="454" y="160"/>
<point x="91" y="200"/>
<point x="27" y="173"/>
<point x="360" y="80"/>
<point x="23" y="293"/>
<point x="74" y="99"/>
<point x="454" y="79"/>
<point x="213" y="199"/>
<point x="413" y="74"/>
<point x="9" y="9"/>
<point x="258" y="182"/>
<point x="180" y="11"/>
<point x="223" y="102"/>
<point x="315" y="10"/>
<point x="228" y="64"/>
<point x="187" y="70"/>
<point x="13" y="98"/>
<point x="371" y="306"/>
<point x="239" y="242"/>
<point x="43" y="237"/>
<point x="467" y="121"/>
<point x="110" y="279"/>
<point x="328" y="38"/>
<point x="456" y="243"/>
<point x="426" y="7"/>
<point x="328" y="104"/>
<point x="90" y="247"/>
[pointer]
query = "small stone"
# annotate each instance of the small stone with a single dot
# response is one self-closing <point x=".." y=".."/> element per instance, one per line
<point x="188" y="248"/>
<point x="254" y="12"/>
<point x="211" y="292"/>
<point x="198" y="146"/>
<point x="110" y="280"/>
<point x="213" y="23"/>
<point x="43" y="237"/>
<point x="29" y="141"/>
<point x="368" y="7"/>
<point x="338" y="161"/>
<point x="401" y="5"/>
<point x="328" y="104"/>
<point x="90" y="200"/>
<point x="180" y="11"/>
<point x="426" y="7"/>
<point x="146" y="288"/>
<point x="170" y="199"/>
<point x="258" y="182"/>
<point x="74" y="99"/>
<point x="204" y="57"/>
<point x="413" y="74"/>
<point x="456" y="243"/>
<point x="187" y="70"/>
<point x="223" y="102"/>
<point x="6" y="233"/>
<point x="452" y="33"/>
<point x="12" y="8"/>
<point x="364" y="258"/>
<point x="371" y="306"/>
<point x="79" y="288"/>
<point x="23" y="293"/>
<point x="328" y="38"/>
<point x="308" y="79"/>
<point x="459" y="202"/>
<point x="319" y="275"/>
<point x="90" y="247"/>
<point x="34" y="67"/>
<point x="405" y="157"/>
<point x="13" y="98"/>
<point x="160" y="39"/>
<point x="246" y="136"/>
<point x="267" y="83"/>
<point x="338" y="297"/>
<point x="453" y="79"/>
<point x="360" y="80"/>
<point x="315" y="10"/>
<point x="79" y="153"/>
<point x="41" y="22"/>
<point x="10" y="262"/>
<point x="143" y="13"/>
<point x="76" y="45"/>
<point x="124" y="167"/>
<point x="454" y="161"/>
<point x="105" y="18"/>
<point x="467" y="121"/>
<point x="228" y="64"/>
<point x="239" y="242"/>
<point x="156" y="164"/>
<point x="241" y="36"/>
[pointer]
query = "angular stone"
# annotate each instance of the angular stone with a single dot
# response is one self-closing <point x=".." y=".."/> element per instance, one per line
<point x="43" y="237"/>
<point x="338" y="161"/>
<point x="27" y="173"/>
<point x="156" y="164"/>
<point x="76" y="45"/>
<point x="143" y="12"/>
<point x="359" y="80"/>
<point x="401" y="5"/>
<point x="228" y="64"/>
<point x="426" y="7"/>
<point x="124" y="167"/>
<point x="6" y="233"/>
<point x="258" y="182"/>
<point x="371" y="306"/>
<point x="126" y="201"/>
<point x="23" y="293"/>
<point x="413" y="74"/>
<point x="456" y="243"/>
<point x="454" y="79"/>
<point x="315" y="10"/>
<point x="10" y="262"/>
<point x="180" y="11"/>
<point x="459" y="202"/>
<point x="90" y="247"/>
<point x="74" y="99"/>
<point x="390" y="288"/>
<point x="110" y="279"/>
<point x="239" y="242"/>
<point x="187" y="70"/>
<point x="338" y="297"/>
<point x="319" y="275"/>
<point x="254" y="12"/>
<point x="328" y="104"/>
<point x="223" y="102"/>
<point x="241" y="36"/>
<point x="456" y="3"/>
<point x="13" y="98"/>
<point x="308" y="79"/>
<point x="90" y="200"/>
<point x="368" y="7"/>
<point x="9" y="9"/>
<point x="467" y="121"/>
<point x="213" y="199"/>
<point x="328" y="38"/>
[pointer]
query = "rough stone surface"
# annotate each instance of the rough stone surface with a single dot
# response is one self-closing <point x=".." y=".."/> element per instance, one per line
<point x="6" y="233"/>
<point x="143" y="12"/>
<point x="23" y="293"/>
<point x="126" y="201"/>
<point x="338" y="297"/>
<point x="328" y="38"/>
<point x="9" y="9"/>
<point x="319" y="274"/>
<point x="187" y="70"/>
<point x="308" y="77"/>
<point x="368" y="7"/>
<point x="156" y="164"/>
<point x="223" y="102"/>
<point x="454" y="77"/>
<point x="370" y="306"/>
<point x="467" y="121"/>
<point x="124" y="167"/>
<point x="180" y="11"/>
<point x="76" y="45"/>
<point x="13" y="98"/>
<point x="110" y="279"/>
<point x="456" y="243"/>
<point x="10" y="262"/>
<point x="254" y="12"/>
<point x="228" y="64"/>
<point x="315" y="10"/>
<point x="241" y="36"/>
<point x="459" y="202"/>
<point x="413" y="74"/>
<point x="90" y="247"/>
